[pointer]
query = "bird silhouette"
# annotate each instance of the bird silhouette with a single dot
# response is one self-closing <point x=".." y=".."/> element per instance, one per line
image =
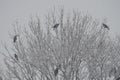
<point x="56" y="26"/>
<point x="16" y="57"/>
<point x="105" y="26"/>
<point x="15" y="38"/>
<point x="56" y="70"/>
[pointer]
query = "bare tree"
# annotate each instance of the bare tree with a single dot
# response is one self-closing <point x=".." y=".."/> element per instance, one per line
<point x="47" y="54"/>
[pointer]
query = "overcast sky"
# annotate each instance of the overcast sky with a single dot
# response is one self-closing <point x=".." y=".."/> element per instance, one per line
<point x="12" y="10"/>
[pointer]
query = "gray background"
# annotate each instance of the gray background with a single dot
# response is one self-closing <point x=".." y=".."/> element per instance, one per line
<point x="12" y="10"/>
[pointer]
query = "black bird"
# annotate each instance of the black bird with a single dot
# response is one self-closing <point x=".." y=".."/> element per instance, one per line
<point x="15" y="38"/>
<point x="105" y="26"/>
<point x="56" y="71"/>
<point x="16" y="57"/>
<point x="55" y="26"/>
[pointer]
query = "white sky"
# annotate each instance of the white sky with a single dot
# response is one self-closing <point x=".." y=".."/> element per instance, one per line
<point x="12" y="10"/>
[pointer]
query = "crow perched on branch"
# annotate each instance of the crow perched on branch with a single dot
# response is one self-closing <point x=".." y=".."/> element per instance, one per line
<point x="105" y="26"/>
<point x="15" y="38"/>
<point x="56" y="70"/>
<point x="16" y="57"/>
<point x="56" y="26"/>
